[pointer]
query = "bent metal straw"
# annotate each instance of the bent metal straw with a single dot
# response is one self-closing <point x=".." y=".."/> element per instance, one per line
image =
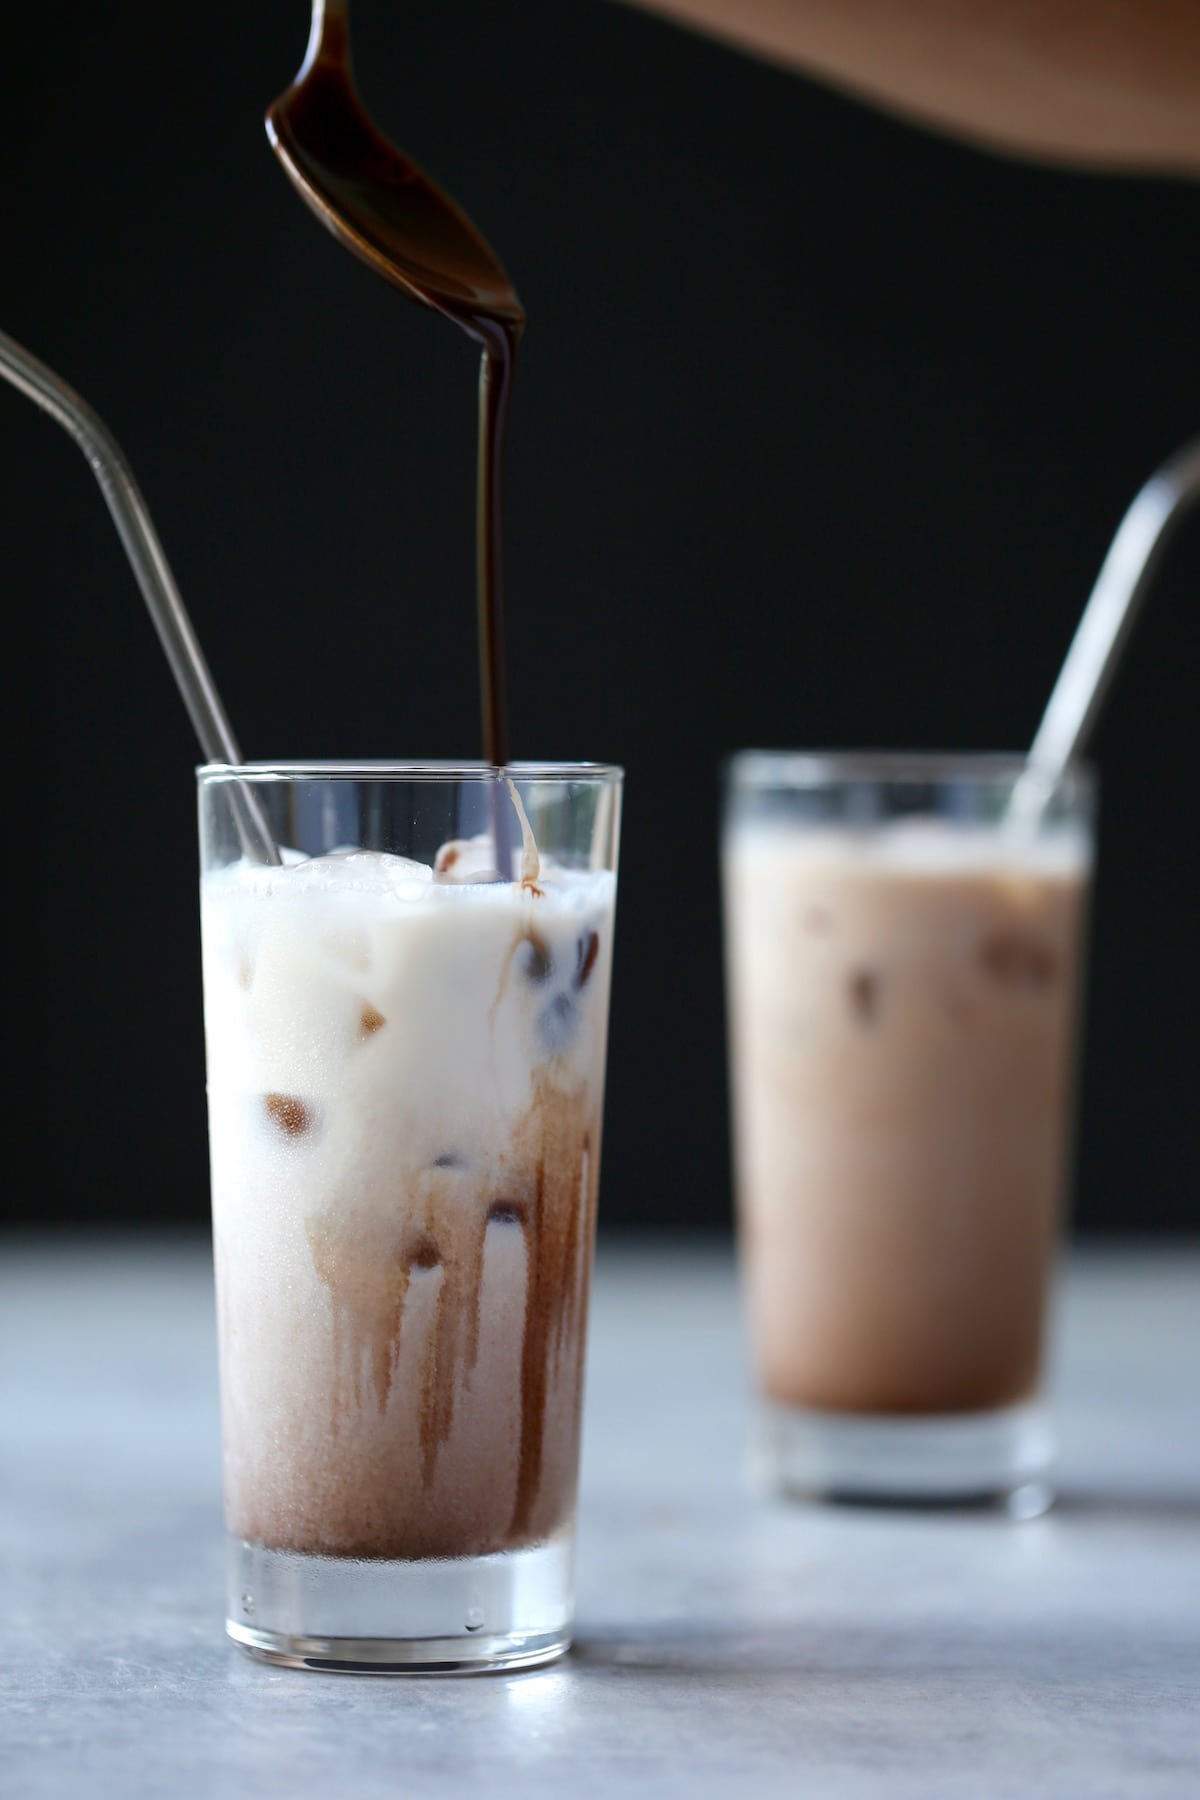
<point x="149" y="563"/>
<point x="1120" y="587"/>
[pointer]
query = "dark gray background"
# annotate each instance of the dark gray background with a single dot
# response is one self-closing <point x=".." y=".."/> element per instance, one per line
<point x="821" y="430"/>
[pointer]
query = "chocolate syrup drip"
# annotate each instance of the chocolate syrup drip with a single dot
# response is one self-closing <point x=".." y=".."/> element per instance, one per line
<point x="495" y="387"/>
<point x="371" y="1288"/>
<point x="555" y="1233"/>
<point x="549" y="1196"/>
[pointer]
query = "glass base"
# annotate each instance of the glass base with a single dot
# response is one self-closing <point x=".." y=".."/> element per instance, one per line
<point x="1001" y="1458"/>
<point x="451" y="1616"/>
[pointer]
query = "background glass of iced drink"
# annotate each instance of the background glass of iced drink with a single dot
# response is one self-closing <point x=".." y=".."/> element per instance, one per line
<point x="903" y="968"/>
<point x="405" y="1059"/>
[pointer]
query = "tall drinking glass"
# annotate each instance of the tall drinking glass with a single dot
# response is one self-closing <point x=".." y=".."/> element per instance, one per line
<point x="406" y="1025"/>
<point x="903" y="960"/>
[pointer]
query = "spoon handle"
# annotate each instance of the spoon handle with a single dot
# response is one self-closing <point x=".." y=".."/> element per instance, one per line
<point x="328" y="34"/>
<point x="147" y="559"/>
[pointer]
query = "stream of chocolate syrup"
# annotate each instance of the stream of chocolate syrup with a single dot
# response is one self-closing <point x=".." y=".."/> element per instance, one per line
<point x="384" y="208"/>
<point x="392" y="216"/>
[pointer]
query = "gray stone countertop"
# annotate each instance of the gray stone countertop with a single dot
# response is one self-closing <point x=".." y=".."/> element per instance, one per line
<point x="724" y="1645"/>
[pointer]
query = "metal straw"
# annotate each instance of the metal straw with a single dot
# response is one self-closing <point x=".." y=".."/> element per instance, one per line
<point x="149" y="563"/>
<point x="1119" y="590"/>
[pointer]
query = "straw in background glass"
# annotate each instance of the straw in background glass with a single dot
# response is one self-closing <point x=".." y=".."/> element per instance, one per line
<point x="1091" y="661"/>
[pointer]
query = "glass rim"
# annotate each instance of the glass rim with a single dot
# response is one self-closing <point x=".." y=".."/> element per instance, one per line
<point x="751" y="769"/>
<point x="432" y="770"/>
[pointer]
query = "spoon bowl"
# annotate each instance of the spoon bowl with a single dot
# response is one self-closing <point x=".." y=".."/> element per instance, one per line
<point x="376" y="200"/>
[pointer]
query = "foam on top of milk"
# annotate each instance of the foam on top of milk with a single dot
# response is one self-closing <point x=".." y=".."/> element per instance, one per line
<point x="920" y="845"/>
<point x="398" y="879"/>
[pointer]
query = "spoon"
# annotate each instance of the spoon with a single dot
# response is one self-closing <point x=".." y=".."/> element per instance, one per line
<point x="395" y="218"/>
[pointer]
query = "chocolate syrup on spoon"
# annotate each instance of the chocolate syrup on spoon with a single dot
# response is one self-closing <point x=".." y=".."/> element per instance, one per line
<point x="380" y="205"/>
